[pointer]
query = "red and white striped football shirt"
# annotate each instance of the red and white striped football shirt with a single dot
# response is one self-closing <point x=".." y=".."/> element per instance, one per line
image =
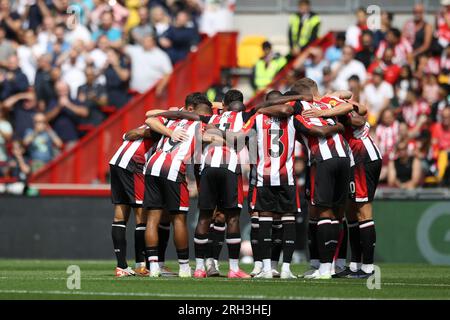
<point x="132" y="155"/>
<point x="275" y="149"/>
<point x="412" y="112"/>
<point x="225" y="156"/>
<point x="387" y="137"/>
<point x="361" y="144"/>
<point x="319" y="149"/>
<point x="170" y="158"/>
<point x="401" y="51"/>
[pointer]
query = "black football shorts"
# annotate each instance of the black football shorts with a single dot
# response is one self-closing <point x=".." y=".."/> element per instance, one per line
<point x="126" y="187"/>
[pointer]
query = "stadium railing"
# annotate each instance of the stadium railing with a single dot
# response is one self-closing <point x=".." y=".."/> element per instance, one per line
<point x="87" y="161"/>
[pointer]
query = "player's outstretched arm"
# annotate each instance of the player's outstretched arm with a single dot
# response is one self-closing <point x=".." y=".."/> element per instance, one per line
<point x="326" y="131"/>
<point x="341" y="94"/>
<point x="178" y="115"/>
<point x="138" y="133"/>
<point x="158" y="127"/>
<point x="340" y="110"/>
<point x="282" y="100"/>
<point x="155" y="112"/>
<point x="279" y="111"/>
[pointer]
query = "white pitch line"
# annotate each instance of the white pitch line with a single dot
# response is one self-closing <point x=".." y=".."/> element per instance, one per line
<point x="314" y="282"/>
<point x="170" y="295"/>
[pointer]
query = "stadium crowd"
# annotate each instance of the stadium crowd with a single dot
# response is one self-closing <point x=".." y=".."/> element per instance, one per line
<point x="65" y="64"/>
<point x="402" y="75"/>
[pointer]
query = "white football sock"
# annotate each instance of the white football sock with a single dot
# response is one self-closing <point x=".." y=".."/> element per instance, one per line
<point x="354" y="266"/>
<point x="340" y="263"/>
<point x="325" y="268"/>
<point x="274" y="264"/>
<point x="154" y="266"/>
<point x="234" y="265"/>
<point x="315" y="263"/>
<point x="286" y="267"/>
<point x="199" y="264"/>
<point x="267" y="265"/>
<point x="184" y="267"/>
<point x="367" y="268"/>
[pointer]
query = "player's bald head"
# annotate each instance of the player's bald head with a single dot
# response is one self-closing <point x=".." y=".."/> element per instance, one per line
<point x="274" y="94"/>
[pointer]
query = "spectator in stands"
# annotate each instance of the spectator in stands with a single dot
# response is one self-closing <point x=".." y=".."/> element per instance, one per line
<point x="418" y="32"/>
<point x="430" y="89"/>
<point x="443" y="24"/>
<point x="367" y="52"/>
<point x="415" y="111"/>
<point x="22" y="107"/>
<point x="72" y="66"/>
<point x="59" y="44"/>
<point x="106" y="28"/>
<point x="149" y="66"/>
<point x="304" y="27"/>
<point x="391" y="70"/>
<point x="160" y="20"/>
<point x="17" y="167"/>
<point x="28" y="53"/>
<point x="377" y="94"/>
<point x="327" y="81"/>
<point x="6" y="48"/>
<point x="9" y="21"/>
<point x="40" y="142"/>
<point x="117" y="75"/>
<point x="178" y="40"/>
<point x="404" y="171"/>
<point x="267" y="67"/>
<point x="13" y="80"/>
<point x="386" y="24"/>
<point x="404" y="83"/>
<point x="441" y="104"/>
<point x="387" y="133"/>
<point x="6" y="133"/>
<point x="440" y="132"/>
<point x="356" y="88"/>
<point x="93" y="95"/>
<point x="311" y="61"/>
<point x="46" y="32"/>
<point x="97" y="55"/>
<point x="217" y="16"/>
<point x="64" y="114"/>
<point x="334" y="53"/>
<point x="144" y="28"/>
<point x="119" y="14"/>
<point x="402" y="48"/>
<point x="347" y="67"/>
<point x="353" y="34"/>
<point x="44" y="83"/>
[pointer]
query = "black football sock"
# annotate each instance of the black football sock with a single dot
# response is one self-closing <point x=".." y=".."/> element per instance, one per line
<point x="234" y="245"/>
<point x="368" y="239"/>
<point x="265" y="237"/>
<point x="289" y="235"/>
<point x="151" y="254"/>
<point x="139" y="242"/>
<point x="324" y="240"/>
<point x="183" y="256"/>
<point x="218" y="238"/>
<point x="355" y="243"/>
<point x="277" y="240"/>
<point x="210" y="244"/>
<point x="254" y="238"/>
<point x="118" y="233"/>
<point x="312" y="242"/>
<point x="163" y="240"/>
<point x="344" y="241"/>
<point x="200" y="245"/>
<point x="335" y="227"/>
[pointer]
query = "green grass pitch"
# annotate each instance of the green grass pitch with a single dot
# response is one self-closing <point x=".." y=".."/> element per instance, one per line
<point x="47" y="279"/>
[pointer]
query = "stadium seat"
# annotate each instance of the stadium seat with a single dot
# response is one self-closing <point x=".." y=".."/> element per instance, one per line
<point x="108" y="110"/>
<point x="250" y="50"/>
<point x="442" y="164"/>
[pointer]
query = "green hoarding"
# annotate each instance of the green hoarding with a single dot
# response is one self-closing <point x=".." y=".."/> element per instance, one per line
<point x="413" y="231"/>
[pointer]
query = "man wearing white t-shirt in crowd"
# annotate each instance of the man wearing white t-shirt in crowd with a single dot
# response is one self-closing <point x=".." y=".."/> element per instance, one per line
<point x="345" y="68"/>
<point x="149" y="65"/>
<point x="377" y="94"/>
<point x="353" y="35"/>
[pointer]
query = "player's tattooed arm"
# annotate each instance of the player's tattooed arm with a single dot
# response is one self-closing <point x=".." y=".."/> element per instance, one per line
<point x="158" y="127"/>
